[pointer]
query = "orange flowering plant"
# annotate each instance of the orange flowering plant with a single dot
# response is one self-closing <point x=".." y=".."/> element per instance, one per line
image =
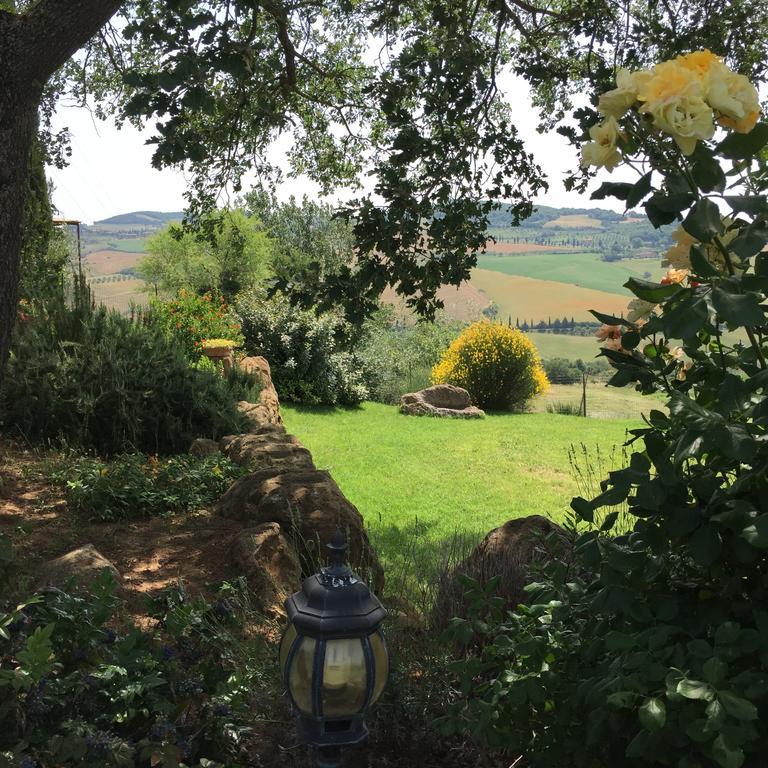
<point x="647" y="644"/>
<point x="191" y="319"/>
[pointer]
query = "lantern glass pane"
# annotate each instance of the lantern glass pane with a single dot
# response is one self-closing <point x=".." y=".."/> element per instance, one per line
<point x="300" y="677"/>
<point x="285" y="645"/>
<point x="380" y="663"/>
<point x="344" y="679"/>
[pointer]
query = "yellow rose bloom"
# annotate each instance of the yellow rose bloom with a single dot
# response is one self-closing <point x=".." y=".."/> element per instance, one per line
<point x="678" y="256"/>
<point x="735" y="98"/>
<point x="700" y="62"/>
<point x="602" y="151"/>
<point x="669" y="81"/>
<point x="674" y="276"/>
<point x="729" y="94"/>
<point x="686" y="119"/>
<point x="673" y="96"/>
<point x="615" y="103"/>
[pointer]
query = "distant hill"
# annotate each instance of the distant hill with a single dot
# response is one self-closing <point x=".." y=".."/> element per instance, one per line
<point x="144" y="218"/>
<point x="610" y="235"/>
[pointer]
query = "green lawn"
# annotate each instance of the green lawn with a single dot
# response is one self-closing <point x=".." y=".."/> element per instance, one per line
<point x="602" y="402"/>
<point x="583" y="269"/>
<point x="420" y="481"/>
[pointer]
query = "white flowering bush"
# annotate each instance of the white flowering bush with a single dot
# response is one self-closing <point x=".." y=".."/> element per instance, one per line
<point x="309" y="354"/>
<point x="649" y="646"/>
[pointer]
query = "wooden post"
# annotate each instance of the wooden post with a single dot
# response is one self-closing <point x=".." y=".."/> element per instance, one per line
<point x="584" y="394"/>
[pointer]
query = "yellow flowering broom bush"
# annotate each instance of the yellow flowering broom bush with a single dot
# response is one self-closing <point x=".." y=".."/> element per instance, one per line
<point x="499" y="367"/>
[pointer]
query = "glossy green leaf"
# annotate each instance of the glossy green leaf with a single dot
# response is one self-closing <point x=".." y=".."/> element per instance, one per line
<point x="649" y="291"/>
<point x="653" y="714"/>
<point x="695" y="689"/>
<point x="583" y="508"/>
<point x="700" y="263"/>
<point x="707" y="172"/>
<point x="715" y="670"/>
<point x="727" y="633"/>
<point x="726" y="754"/>
<point x="663" y="209"/>
<point x="739" y="146"/>
<point x="703" y="221"/>
<point x="620" y="190"/>
<point x="736" y="706"/>
<point x="686" y="317"/>
<point x="639" y="190"/>
<point x="757" y="533"/>
<point x="738" y="309"/>
<point x="752" y="205"/>
<point x="706" y="545"/>
<point x="609" y="319"/>
<point x="622" y="699"/>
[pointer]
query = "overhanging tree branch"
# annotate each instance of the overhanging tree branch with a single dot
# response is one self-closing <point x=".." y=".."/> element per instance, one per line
<point x="51" y="31"/>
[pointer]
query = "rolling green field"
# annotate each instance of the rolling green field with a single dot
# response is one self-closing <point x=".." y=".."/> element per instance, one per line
<point x="562" y="345"/>
<point x="130" y="244"/>
<point x="418" y="482"/>
<point x="586" y="270"/>
<point x="603" y="402"/>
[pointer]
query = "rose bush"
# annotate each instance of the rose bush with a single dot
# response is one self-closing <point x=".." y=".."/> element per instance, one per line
<point x="189" y="319"/>
<point x="649" y="647"/>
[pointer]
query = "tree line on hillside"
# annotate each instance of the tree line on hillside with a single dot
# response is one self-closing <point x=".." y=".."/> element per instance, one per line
<point x="565" y="325"/>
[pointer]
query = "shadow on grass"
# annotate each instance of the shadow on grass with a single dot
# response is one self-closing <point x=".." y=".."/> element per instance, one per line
<point x="324" y="410"/>
<point x="415" y="561"/>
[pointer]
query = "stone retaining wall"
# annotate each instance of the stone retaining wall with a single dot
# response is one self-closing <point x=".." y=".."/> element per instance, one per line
<point x="288" y="509"/>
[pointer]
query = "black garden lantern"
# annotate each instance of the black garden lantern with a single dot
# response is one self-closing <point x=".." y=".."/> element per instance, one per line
<point x="333" y="655"/>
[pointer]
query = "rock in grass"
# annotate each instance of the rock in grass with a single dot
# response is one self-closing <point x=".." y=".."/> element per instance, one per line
<point x="308" y="505"/>
<point x="271" y="449"/>
<point x="82" y="566"/>
<point x="266" y="558"/>
<point x="444" y="400"/>
<point x="508" y="551"/>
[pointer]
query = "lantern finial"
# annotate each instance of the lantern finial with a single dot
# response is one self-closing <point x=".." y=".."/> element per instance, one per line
<point x="338" y="547"/>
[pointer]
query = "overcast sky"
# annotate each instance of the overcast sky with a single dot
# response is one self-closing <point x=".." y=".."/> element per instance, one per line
<point x="110" y="170"/>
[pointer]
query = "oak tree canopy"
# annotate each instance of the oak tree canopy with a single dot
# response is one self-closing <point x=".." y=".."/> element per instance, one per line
<point x="404" y="94"/>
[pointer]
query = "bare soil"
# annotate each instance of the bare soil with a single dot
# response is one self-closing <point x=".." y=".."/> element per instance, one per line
<point x="150" y="554"/>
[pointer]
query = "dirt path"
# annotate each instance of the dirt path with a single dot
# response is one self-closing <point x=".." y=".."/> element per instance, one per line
<point x="151" y="554"/>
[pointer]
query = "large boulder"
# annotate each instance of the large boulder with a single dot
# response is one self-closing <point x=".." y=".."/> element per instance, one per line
<point x="444" y="400"/>
<point x="267" y="410"/>
<point x="261" y="451"/>
<point x="269" y="563"/>
<point x="508" y="551"/>
<point x="308" y="505"/>
<point x="81" y="566"/>
<point x="202" y="448"/>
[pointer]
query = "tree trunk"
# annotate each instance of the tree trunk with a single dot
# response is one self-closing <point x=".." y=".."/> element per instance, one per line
<point x="33" y="45"/>
<point x="18" y="125"/>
